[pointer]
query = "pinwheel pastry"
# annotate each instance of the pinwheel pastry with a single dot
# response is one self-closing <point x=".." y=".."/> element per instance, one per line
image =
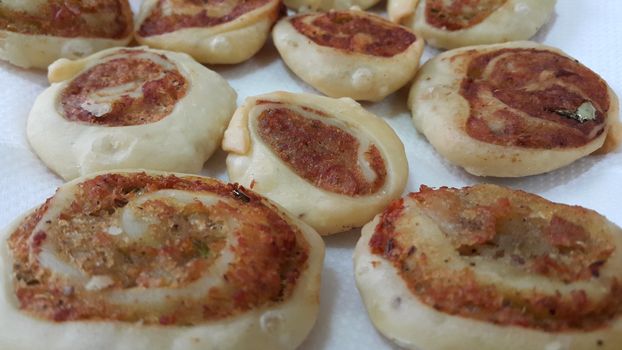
<point x="488" y="268"/>
<point x="35" y="33"/>
<point x="129" y="108"/>
<point x="348" y="53"/>
<point x="150" y="261"/>
<point x="212" y="32"/>
<point x="512" y="109"/>
<point x="454" y="23"/>
<point x="327" y="161"/>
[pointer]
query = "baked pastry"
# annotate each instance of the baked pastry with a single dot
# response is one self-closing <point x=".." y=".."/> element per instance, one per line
<point x="35" y="33"/>
<point x="326" y="5"/>
<point x="348" y="53"/>
<point x="134" y="260"/>
<point x="487" y="268"/>
<point x="512" y="109"/>
<point x="456" y="23"/>
<point x="129" y="108"/>
<point x="327" y="161"/>
<point x="210" y="31"/>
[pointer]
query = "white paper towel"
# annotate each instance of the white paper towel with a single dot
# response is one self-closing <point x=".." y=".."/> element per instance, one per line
<point x="588" y="30"/>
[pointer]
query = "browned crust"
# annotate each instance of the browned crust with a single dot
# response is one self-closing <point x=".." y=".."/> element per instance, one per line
<point x="459" y="14"/>
<point x="69" y="18"/>
<point x="158" y="23"/>
<point x="355" y="32"/>
<point x="539" y="85"/>
<point x="324" y="155"/>
<point x="478" y="220"/>
<point x="160" y="90"/>
<point x="269" y="257"/>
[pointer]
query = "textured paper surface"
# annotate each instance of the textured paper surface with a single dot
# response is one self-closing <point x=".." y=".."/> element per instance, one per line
<point x="588" y="30"/>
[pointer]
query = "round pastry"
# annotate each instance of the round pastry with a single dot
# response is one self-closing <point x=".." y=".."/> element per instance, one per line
<point x="487" y="268"/>
<point x="512" y="109"/>
<point x="456" y="23"/>
<point x="134" y="260"/>
<point x="129" y="108"/>
<point x="348" y="53"/>
<point x="329" y="162"/>
<point x="35" y="33"/>
<point x="212" y="32"/>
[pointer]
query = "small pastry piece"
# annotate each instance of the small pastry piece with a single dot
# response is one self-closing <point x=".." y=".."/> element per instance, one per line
<point x="150" y="261"/>
<point x="329" y="162"/>
<point x="455" y="23"/>
<point x="488" y="268"/>
<point x="212" y="32"/>
<point x="348" y="53"/>
<point x="512" y="109"/>
<point x="129" y="108"/>
<point x="35" y="33"/>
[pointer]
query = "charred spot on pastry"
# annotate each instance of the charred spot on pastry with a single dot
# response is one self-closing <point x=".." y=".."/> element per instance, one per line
<point x="172" y="15"/>
<point x="325" y="155"/>
<point x="175" y="237"/>
<point x="239" y="194"/>
<point x="496" y="227"/>
<point x="355" y="33"/>
<point x="132" y="88"/>
<point x="455" y="15"/>
<point x="91" y="19"/>
<point x="534" y="99"/>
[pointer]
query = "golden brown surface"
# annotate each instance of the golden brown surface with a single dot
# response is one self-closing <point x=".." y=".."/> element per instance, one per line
<point x="355" y="32"/>
<point x="533" y="92"/>
<point x="459" y="14"/>
<point x="71" y="18"/>
<point x="323" y="154"/>
<point x="146" y="91"/>
<point x="510" y="230"/>
<point x="195" y="13"/>
<point x="183" y="242"/>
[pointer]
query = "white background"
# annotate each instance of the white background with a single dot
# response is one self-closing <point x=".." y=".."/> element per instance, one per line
<point x="588" y="30"/>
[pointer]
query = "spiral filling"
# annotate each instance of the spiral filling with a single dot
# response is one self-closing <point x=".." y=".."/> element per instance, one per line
<point x="321" y="149"/>
<point x="68" y="18"/>
<point x="171" y="15"/>
<point x="534" y="99"/>
<point x="503" y="256"/>
<point x="455" y="15"/>
<point x="133" y="87"/>
<point x="355" y="33"/>
<point x="154" y="249"/>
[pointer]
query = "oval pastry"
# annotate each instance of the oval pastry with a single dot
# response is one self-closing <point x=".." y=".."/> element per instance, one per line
<point x="329" y="162"/>
<point x="35" y="33"/>
<point x="134" y="260"/>
<point x="512" y="109"/>
<point x="212" y="32"/>
<point x="450" y="24"/>
<point x="129" y="108"/>
<point x="486" y="267"/>
<point x="348" y="53"/>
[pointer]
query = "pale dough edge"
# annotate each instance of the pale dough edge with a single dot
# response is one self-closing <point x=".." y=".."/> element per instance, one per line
<point x="39" y="51"/>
